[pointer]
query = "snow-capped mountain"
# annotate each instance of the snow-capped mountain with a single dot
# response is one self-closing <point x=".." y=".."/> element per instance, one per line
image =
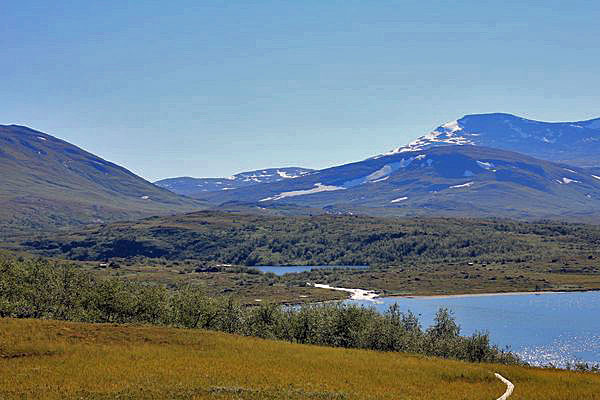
<point x="197" y="186"/>
<point x="478" y="165"/>
<point x="439" y="180"/>
<point x="576" y="143"/>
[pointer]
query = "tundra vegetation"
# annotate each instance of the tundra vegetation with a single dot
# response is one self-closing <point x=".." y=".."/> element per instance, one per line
<point x="66" y="360"/>
<point x="406" y="255"/>
<point x="37" y="289"/>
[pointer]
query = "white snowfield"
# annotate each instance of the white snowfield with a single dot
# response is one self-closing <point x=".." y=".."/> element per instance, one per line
<point x="464" y="185"/>
<point x="384" y="171"/>
<point x="380" y="179"/>
<point x="566" y="181"/>
<point x="509" y="387"/>
<point x="319" y="187"/>
<point x="485" y="165"/>
<point x="399" y="199"/>
<point x="355" y="294"/>
<point x="285" y="175"/>
<point x="379" y="175"/>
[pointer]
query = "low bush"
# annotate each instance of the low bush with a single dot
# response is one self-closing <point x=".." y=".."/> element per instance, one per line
<point x="39" y="289"/>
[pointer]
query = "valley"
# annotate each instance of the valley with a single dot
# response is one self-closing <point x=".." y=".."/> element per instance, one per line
<point x="406" y="256"/>
<point x="326" y="200"/>
<point x="441" y="216"/>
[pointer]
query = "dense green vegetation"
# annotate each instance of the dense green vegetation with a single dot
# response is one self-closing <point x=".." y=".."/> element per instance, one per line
<point x="320" y="240"/>
<point x="37" y="289"/>
<point x="406" y="255"/>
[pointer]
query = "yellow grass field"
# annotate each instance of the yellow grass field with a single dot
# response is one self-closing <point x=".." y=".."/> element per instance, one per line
<point x="61" y="360"/>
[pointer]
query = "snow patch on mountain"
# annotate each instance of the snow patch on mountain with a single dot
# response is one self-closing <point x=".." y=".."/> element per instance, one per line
<point x="464" y="185"/>
<point x="380" y="180"/>
<point x="485" y="165"/>
<point x="553" y="141"/>
<point x="597" y="177"/>
<point x="452" y="126"/>
<point x="446" y="134"/>
<point x="383" y="172"/>
<point x="399" y="199"/>
<point x="566" y="181"/>
<point x="319" y="187"/>
<point x="285" y="175"/>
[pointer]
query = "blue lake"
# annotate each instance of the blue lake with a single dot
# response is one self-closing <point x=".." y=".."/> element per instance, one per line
<point x="282" y="270"/>
<point x="546" y="328"/>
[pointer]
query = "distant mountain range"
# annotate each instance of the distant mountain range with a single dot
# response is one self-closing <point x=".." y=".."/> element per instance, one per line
<point x="479" y="165"/>
<point x="47" y="182"/>
<point x="445" y="180"/>
<point x="198" y="186"/>
<point x="575" y="143"/>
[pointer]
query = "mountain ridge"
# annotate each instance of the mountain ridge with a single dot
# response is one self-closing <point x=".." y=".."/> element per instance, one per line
<point x="444" y="180"/>
<point x="190" y="186"/>
<point x="576" y="143"/>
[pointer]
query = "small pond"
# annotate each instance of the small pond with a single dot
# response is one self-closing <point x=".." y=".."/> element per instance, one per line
<point x="282" y="270"/>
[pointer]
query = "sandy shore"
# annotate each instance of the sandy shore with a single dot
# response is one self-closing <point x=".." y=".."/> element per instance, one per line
<point x="355" y="294"/>
<point x="371" y="295"/>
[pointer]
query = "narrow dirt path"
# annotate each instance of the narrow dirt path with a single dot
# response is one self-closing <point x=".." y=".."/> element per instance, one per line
<point x="509" y="387"/>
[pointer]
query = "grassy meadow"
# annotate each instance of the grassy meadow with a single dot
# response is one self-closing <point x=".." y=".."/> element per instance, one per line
<point x="44" y="359"/>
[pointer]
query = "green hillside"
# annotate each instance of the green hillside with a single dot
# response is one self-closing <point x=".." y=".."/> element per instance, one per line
<point x="49" y="183"/>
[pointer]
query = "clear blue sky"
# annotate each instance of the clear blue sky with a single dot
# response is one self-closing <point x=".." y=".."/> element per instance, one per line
<point x="210" y="88"/>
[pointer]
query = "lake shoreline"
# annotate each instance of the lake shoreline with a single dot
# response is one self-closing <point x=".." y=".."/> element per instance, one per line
<point x="359" y="294"/>
<point x="372" y="295"/>
<point x="488" y="294"/>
